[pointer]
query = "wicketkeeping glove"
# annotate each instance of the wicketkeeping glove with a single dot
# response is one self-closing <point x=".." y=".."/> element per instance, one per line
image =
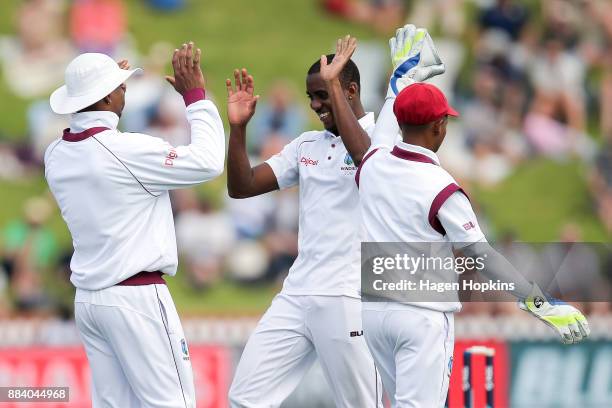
<point x="568" y="321"/>
<point x="414" y="57"/>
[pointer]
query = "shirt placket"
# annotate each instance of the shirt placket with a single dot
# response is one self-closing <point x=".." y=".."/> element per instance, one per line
<point x="332" y="152"/>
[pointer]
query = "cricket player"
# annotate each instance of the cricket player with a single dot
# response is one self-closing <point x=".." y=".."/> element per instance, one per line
<point x="406" y="196"/>
<point x="318" y="311"/>
<point x="112" y="188"/>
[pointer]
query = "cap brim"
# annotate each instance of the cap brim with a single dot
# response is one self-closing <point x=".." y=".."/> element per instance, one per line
<point x="452" y="112"/>
<point x="61" y="103"/>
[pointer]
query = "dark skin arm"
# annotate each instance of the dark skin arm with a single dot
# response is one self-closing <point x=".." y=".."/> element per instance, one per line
<point x="243" y="180"/>
<point x="355" y="139"/>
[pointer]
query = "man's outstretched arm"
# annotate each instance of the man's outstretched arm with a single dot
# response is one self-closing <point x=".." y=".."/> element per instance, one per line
<point x="460" y="224"/>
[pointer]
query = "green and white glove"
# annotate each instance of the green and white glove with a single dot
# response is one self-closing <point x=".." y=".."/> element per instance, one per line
<point x="414" y="57"/>
<point x="565" y="319"/>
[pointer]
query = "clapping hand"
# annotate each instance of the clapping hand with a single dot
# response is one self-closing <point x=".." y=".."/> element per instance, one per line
<point x="240" y="99"/>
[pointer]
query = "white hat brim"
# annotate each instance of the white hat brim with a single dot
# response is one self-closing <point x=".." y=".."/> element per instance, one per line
<point x="63" y="104"/>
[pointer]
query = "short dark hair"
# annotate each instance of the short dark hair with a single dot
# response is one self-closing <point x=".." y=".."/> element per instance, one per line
<point x="350" y="72"/>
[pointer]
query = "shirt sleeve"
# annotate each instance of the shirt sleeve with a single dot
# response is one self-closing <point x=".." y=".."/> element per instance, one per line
<point x="159" y="166"/>
<point x="387" y="131"/>
<point x="459" y="221"/>
<point x="285" y="165"/>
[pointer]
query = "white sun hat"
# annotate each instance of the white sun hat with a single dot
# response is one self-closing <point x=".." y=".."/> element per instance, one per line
<point x="89" y="78"/>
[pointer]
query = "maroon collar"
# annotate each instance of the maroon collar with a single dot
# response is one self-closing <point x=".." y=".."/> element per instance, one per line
<point x="412" y="156"/>
<point x="77" y="137"/>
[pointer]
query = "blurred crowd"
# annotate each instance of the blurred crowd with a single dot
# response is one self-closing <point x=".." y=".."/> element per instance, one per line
<point x="531" y="79"/>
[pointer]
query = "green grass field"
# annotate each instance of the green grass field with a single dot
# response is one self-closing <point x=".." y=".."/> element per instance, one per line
<point x="280" y="38"/>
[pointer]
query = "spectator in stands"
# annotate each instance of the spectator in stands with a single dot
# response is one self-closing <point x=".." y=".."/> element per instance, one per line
<point x="600" y="183"/>
<point x="166" y="5"/>
<point x="152" y="99"/>
<point x="566" y="19"/>
<point x="266" y="226"/>
<point x="5" y="306"/>
<point x="98" y="25"/>
<point x="204" y="237"/>
<point x="29" y="250"/>
<point x="281" y="241"/>
<point x="279" y="115"/>
<point x="168" y="120"/>
<point x="267" y="231"/>
<point x="39" y="52"/>
<point x="10" y="166"/>
<point x="606" y="93"/>
<point x="44" y="126"/>
<point x="489" y="124"/>
<point x="556" y="122"/>
<point x="382" y="15"/>
<point x="507" y="16"/>
<point x="560" y="75"/>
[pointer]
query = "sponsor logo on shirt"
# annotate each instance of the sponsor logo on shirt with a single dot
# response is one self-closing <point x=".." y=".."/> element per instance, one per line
<point x="308" y="162"/>
<point x="348" y="160"/>
<point x="170" y="157"/>
<point x="356" y="333"/>
<point x="468" y="226"/>
<point x="350" y="165"/>
<point x="185" y="350"/>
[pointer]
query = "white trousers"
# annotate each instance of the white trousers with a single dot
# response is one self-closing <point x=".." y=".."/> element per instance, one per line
<point x="136" y="347"/>
<point x="413" y="349"/>
<point x="291" y="334"/>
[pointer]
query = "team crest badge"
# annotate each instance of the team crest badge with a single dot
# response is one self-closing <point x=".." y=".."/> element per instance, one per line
<point x="348" y="168"/>
<point x="348" y="160"/>
<point x="184" y="348"/>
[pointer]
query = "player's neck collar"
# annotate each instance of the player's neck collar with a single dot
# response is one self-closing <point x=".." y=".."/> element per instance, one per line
<point x="82" y="121"/>
<point x="416" y="153"/>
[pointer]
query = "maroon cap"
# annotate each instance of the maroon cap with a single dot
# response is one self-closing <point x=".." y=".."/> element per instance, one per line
<point x="420" y="103"/>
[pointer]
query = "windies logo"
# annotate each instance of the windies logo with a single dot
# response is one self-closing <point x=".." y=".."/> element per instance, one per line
<point x="350" y="165"/>
<point x="348" y="160"/>
<point x="308" y="162"/>
<point x="185" y="349"/>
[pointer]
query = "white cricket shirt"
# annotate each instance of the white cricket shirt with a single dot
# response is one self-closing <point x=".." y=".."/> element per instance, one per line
<point x="407" y="197"/>
<point x="328" y="261"/>
<point x="112" y="190"/>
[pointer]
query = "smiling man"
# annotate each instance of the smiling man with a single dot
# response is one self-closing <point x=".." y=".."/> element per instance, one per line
<point x="318" y="311"/>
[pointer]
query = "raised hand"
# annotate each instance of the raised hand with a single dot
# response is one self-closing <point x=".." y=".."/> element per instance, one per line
<point x="240" y="99"/>
<point x="414" y="57"/>
<point x="345" y="47"/>
<point x="187" y="72"/>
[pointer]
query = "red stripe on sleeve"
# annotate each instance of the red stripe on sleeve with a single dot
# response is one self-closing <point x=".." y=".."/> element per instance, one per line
<point x="437" y="203"/>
